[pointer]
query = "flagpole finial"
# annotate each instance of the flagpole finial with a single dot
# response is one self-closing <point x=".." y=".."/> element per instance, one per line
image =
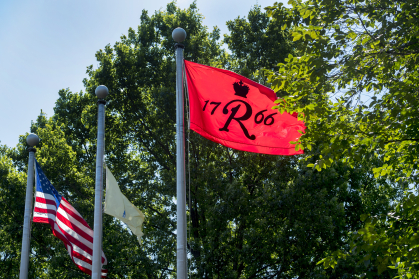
<point x="179" y="35"/>
<point x="102" y="91"/>
<point x="32" y="139"/>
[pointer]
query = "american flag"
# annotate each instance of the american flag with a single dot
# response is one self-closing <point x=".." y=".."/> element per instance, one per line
<point x="66" y="223"/>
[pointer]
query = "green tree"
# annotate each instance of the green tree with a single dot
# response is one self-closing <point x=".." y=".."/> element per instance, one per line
<point x="251" y="215"/>
<point x="355" y="86"/>
<point x="12" y="196"/>
<point x="232" y="200"/>
<point x="364" y="56"/>
<point x="256" y="43"/>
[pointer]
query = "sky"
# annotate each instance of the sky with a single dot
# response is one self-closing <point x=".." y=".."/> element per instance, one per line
<point x="46" y="45"/>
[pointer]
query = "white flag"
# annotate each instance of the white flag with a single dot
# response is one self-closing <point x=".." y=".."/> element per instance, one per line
<point x="117" y="205"/>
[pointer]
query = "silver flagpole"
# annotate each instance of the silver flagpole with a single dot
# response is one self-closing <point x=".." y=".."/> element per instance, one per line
<point x="179" y="35"/>
<point x="32" y="140"/>
<point x="101" y="93"/>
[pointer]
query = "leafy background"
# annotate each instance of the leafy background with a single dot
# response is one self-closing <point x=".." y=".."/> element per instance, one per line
<point x="344" y="209"/>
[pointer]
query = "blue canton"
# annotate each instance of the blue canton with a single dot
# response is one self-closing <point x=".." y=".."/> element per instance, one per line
<point x="43" y="185"/>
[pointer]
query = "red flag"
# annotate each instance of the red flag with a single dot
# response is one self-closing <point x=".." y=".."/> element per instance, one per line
<point x="235" y="111"/>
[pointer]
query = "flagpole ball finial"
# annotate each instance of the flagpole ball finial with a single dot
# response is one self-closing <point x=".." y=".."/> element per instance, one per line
<point x="32" y="139"/>
<point x="179" y="35"/>
<point x="102" y="91"/>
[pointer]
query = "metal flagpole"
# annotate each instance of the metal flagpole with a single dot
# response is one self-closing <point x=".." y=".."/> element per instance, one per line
<point x="101" y="93"/>
<point x="32" y="140"/>
<point x="179" y="35"/>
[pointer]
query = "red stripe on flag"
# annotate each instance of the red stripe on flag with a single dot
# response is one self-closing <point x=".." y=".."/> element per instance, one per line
<point x="40" y="220"/>
<point x="45" y="201"/>
<point x="84" y="269"/>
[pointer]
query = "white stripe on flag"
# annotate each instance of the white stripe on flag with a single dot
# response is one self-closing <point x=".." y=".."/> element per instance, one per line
<point x="69" y="249"/>
<point x="82" y="263"/>
<point x="44" y="215"/>
<point x="45" y="196"/>
<point x="103" y="257"/>
<point x="45" y="206"/>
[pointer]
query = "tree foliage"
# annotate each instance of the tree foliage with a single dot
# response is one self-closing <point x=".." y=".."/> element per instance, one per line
<point x="256" y="43"/>
<point x="356" y="82"/>
<point x="251" y="215"/>
<point x="12" y="184"/>
<point x="356" y="87"/>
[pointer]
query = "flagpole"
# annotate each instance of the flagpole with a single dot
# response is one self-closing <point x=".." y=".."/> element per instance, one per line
<point x="101" y="93"/>
<point x="32" y="140"/>
<point x="179" y="35"/>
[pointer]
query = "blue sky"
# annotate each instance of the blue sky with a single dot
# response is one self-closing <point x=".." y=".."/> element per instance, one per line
<point x="46" y="45"/>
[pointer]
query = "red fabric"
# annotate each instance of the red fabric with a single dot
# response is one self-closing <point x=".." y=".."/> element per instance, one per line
<point x="235" y="111"/>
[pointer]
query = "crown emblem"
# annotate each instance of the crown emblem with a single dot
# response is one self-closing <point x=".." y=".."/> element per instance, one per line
<point x="240" y="89"/>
